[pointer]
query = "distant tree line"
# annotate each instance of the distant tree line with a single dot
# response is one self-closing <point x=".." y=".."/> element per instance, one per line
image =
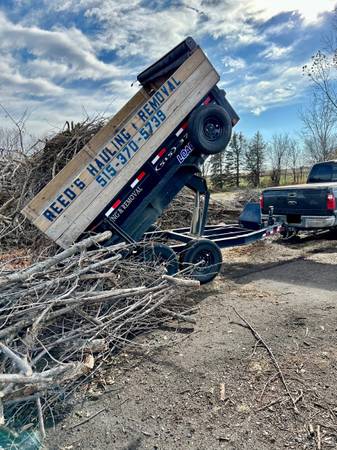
<point x="255" y="162"/>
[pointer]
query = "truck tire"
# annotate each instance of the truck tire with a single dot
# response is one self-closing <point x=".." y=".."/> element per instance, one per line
<point x="160" y="254"/>
<point x="210" y="129"/>
<point x="202" y="259"/>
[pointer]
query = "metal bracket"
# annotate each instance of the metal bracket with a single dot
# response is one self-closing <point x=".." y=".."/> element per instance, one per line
<point x="199" y="186"/>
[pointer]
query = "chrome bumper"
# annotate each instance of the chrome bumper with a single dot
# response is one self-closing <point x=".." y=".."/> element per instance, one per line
<point x="306" y="221"/>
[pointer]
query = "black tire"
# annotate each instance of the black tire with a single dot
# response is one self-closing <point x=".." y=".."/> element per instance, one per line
<point x="210" y="129"/>
<point x="160" y="254"/>
<point x="205" y="252"/>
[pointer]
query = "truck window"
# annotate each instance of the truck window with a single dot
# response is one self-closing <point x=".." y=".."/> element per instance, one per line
<point x="323" y="173"/>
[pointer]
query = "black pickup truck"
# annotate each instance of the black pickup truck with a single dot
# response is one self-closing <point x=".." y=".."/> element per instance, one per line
<point x="309" y="206"/>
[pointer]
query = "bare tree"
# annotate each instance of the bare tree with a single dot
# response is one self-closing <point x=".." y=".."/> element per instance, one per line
<point x="234" y="158"/>
<point x="296" y="161"/>
<point x="319" y="128"/>
<point x="279" y="154"/>
<point x="322" y="70"/>
<point x="255" y="157"/>
<point x="9" y="141"/>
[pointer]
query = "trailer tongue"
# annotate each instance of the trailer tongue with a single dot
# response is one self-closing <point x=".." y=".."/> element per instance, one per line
<point x="132" y="168"/>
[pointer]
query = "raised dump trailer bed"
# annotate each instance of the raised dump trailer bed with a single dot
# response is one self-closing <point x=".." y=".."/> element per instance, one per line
<point x="130" y="171"/>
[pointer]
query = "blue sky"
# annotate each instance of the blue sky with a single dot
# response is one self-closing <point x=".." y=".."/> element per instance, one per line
<point x="63" y="59"/>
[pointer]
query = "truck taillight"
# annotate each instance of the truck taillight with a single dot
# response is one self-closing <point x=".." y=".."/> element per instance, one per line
<point x="331" y="202"/>
<point x="261" y="201"/>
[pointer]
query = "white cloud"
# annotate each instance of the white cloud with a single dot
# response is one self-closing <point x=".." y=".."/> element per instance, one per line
<point x="279" y="86"/>
<point x="11" y="80"/>
<point x="309" y="10"/>
<point x="66" y="46"/>
<point x="233" y="64"/>
<point x="275" y="52"/>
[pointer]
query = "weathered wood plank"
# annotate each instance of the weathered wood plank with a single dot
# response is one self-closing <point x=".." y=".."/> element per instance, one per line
<point x="75" y="166"/>
<point x="76" y="227"/>
<point x="33" y="209"/>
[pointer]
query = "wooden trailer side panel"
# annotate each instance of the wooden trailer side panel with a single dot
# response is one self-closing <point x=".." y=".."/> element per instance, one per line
<point x="187" y="86"/>
<point x="74" y="167"/>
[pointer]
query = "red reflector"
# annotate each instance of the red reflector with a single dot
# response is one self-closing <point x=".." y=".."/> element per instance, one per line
<point x="261" y="201"/>
<point x="116" y="204"/>
<point x="161" y="153"/>
<point x="184" y="125"/>
<point x="207" y="100"/>
<point x="141" y="176"/>
<point x="331" y="202"/>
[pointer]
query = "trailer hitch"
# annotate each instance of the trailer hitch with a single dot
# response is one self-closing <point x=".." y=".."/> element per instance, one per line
<point x="271" y="220"/>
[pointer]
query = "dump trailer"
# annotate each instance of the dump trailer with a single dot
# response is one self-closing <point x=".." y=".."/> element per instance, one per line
<point x="130" y="171"/>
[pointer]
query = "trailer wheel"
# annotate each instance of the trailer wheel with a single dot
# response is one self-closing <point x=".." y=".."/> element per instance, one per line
<point x="203" y="259"/>
<point x="210" y="129"/>
<point x="160" y="254"/>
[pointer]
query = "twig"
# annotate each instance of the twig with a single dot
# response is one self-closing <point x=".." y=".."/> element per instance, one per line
<point x="178" y="316"/>
<point x="40" y="417"/>
<point x="222" y="392"/>
<point x="181" y="281"/>
<point x="88" y="419"/>
<point x="318" y="434"/>
<point x="52" y="261"/>
<point x="267" y="384"/>
<point x="20" y="362"/>
<point x="270" y="404"/>
<point x="271" y="354"/>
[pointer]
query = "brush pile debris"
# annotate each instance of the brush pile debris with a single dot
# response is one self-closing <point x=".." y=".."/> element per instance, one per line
<point x="62" y="317"/>
<point x="23" y="173"/>
<point x="180" y="211"/>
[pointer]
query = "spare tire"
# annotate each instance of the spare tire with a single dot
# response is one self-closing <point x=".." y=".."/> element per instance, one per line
<point x="210" y="129"/>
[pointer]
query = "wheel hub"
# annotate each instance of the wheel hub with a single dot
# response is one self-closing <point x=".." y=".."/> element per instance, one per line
<point x="212" y="129"/>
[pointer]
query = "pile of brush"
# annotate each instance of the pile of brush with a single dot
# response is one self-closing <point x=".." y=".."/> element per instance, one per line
<point x="179" y="213"/>
<point x="60" y="319"/>
<point x="23" y="173"/>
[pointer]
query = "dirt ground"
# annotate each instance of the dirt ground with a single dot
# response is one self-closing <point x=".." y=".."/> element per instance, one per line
<point x="213" y="385"/>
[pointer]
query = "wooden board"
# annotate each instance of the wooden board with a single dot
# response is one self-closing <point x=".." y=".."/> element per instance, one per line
<point x="64" y="178"/>
<point x="175" y="99"/>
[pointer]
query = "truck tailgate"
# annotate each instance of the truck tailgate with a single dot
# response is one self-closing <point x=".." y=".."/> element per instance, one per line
<point x="297" y="201"/>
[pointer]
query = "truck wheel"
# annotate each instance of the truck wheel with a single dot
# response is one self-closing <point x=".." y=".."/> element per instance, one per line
<point x="202" y="259"/>
<point x="160" y="254"/>
<point x="210" y="129"/>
